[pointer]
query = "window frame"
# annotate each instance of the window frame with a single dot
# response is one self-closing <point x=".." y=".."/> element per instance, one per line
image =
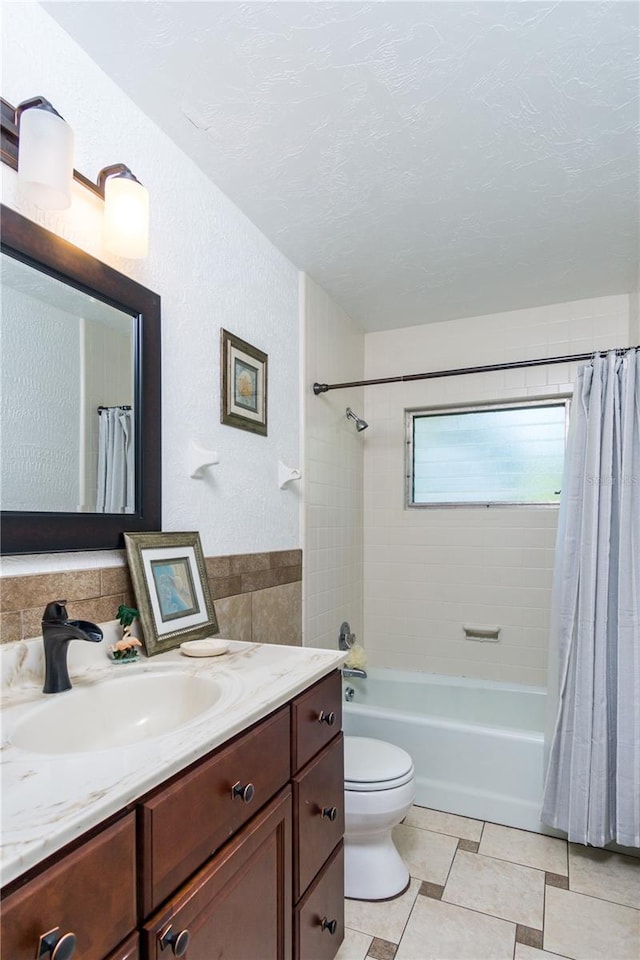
<point x="440" y="409"/>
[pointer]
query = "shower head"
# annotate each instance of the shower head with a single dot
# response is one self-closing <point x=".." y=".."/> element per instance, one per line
<point x="359" y="422"/>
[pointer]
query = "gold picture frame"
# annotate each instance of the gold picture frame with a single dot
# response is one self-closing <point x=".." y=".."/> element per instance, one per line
<point x="244" y="384"/>
<point x="171" y="588"/>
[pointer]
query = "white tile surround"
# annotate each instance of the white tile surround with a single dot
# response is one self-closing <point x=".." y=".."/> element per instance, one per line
<point x="332" y="476"/>
<point x="427" y="572"/>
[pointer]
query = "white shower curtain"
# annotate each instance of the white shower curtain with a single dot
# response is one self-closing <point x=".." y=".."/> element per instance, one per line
<point x="592" y="788"/>
<point x="116" y="470"/>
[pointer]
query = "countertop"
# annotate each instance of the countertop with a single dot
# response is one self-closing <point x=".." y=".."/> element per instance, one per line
<point x="50" y="799"/>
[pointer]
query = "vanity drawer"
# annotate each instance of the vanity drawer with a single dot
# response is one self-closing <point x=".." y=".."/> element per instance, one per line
<point x="318" y="813"/>
<point x="185" y="823"/>
<point x="238" y="906"/>
<point x="316" y="718"/>
<point x="324" y="901"/>
<point x="90" y="892"/>
<point x="127" y="951"/>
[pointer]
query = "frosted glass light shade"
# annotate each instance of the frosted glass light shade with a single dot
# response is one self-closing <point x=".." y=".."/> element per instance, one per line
<point x="126" y="217"/>
<point x="45" y="159"/>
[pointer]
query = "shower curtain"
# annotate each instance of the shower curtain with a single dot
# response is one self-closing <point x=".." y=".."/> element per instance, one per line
<point x="116" y="470"/>
<point x="592" y="788"/>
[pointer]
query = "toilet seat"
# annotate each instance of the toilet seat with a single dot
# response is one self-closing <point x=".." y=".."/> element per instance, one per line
<point x="371" y="765"/>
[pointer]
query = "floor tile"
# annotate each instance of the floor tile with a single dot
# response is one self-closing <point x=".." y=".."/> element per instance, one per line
<point x="355" y="945"/>
<point x="442" y="931"/>
<point x="523" y="952"/>
<point x="604" y="874"/>
<point x="586" y="928"/>
<point x="521" y="846"/>
<point x="506" y="890"/>
<point x="427" y="855"/>
<point x="385" y="919"/>
<point x="444" y="823"/>
<point x="382" y="949"/>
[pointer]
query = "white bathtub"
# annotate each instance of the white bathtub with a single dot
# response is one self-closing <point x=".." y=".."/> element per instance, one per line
<point x="477" y="746"/>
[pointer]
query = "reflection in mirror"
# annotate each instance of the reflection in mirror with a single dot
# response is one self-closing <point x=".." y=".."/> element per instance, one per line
<point x="66" y="437"/>
<point x="78" y="335"/>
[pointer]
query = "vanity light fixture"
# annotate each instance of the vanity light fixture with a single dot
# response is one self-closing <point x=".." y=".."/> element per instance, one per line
<point x="126" y="212"/>
<point x="45" y="159"/>
<point x="38" y="143"/>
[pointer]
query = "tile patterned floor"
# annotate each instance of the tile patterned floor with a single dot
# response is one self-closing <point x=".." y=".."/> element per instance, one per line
<point x="480" y="891"/>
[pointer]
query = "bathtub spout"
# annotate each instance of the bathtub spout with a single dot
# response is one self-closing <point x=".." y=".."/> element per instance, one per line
<point x="354" y="672"/>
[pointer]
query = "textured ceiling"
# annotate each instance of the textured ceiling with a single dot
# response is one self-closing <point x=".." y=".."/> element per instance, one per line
<point x="421" y="161"/>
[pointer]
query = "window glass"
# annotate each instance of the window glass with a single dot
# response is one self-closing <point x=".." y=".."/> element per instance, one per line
<point x="483" y="455"/>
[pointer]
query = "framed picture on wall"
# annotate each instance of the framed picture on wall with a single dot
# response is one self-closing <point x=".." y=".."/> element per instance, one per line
<point x="244" y="385"/>
<point x="171" y="588"/>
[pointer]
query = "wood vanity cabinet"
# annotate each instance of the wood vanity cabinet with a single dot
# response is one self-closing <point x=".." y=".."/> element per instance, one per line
<point x="240" y="854"/>
<point x="89" y="892"/>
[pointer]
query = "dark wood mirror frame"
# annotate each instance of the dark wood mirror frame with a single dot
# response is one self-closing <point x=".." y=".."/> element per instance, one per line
<point x="54" y="532"/>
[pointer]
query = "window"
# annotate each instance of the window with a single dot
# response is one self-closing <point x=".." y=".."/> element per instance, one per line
<point x="489" y="454"/>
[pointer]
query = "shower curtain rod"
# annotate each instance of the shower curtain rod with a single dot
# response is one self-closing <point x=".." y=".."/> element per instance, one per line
<point x="118" y="406"/>
<point x="319" y="388"/>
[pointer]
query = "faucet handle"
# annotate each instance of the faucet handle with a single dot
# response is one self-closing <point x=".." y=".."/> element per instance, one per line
<point x="55" y="612"/>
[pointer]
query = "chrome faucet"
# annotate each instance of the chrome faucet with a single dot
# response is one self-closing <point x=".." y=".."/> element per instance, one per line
<point x="57" y="633"/>
<point x="354" y="672"/>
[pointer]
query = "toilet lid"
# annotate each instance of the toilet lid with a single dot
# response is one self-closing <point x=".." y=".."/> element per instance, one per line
<point x="374" y="764"/>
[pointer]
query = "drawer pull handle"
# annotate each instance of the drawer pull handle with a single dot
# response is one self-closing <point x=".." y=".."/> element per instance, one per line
<point x="328" y="718"/>
<point x="53" y="946"/>
<point x="330" y="925"/>
<point x="330" y="813"/>
<point x="179" y="942"/>
<point x="245" y="793"/>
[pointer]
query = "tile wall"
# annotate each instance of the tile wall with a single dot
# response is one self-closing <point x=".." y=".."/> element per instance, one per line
<point x="428" y="572"/>
<point x="257" y="596"/>
<point x="333" y="463"/>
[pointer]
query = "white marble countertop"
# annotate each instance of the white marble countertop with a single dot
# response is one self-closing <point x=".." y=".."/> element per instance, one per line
<point x="50" y="799"/>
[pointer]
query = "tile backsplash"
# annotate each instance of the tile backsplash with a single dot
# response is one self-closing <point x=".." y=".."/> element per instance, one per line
<point x="257" y="596"/>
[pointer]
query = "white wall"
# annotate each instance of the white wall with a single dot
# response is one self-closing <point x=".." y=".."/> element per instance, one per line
<point x="212" y="269"/>
<point x="427" y="572"/>
<point x="333" y="463"/>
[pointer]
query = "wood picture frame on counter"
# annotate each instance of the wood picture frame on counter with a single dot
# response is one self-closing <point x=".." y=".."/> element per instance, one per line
<point x="170" y="583"/>
<point x="244" y="384"/>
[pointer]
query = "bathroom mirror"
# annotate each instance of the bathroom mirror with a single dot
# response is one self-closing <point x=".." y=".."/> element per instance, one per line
<point x="80" y="375"/>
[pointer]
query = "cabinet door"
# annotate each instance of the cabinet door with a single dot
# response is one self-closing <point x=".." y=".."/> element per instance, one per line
<point x="239" y="905"/>
<point x="90" y="892"/>
<point x="316" y="718"/>
<point x="319" y="920"/>
<point x="318" y="813"/>
<point x="183" y="824"/>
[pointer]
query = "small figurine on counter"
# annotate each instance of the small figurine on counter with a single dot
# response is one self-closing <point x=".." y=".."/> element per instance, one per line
<point x="127" y="648"/>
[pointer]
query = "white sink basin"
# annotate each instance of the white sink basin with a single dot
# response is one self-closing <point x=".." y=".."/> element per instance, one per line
<point x="118" y="712"/>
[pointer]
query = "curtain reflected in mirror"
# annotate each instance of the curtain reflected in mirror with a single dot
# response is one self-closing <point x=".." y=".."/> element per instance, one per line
<point x="67" y="441"/>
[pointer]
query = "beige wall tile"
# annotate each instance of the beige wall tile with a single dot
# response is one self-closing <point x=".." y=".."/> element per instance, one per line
<point x="285" y="558"/>
<point x="10" y="627"/>
<point x="115" y="580"/>
<point x="21" y="593"/>
<point x="225" y="587"/>
<point x="234" y="617"/>
<point x="246" y="562"/>
<point x="277" y="615"/>
<point x="218" y="567"/>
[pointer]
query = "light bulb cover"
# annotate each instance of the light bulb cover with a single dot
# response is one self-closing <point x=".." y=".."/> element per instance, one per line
<point x="126" y="212"/>
<point x="45" y="156"/>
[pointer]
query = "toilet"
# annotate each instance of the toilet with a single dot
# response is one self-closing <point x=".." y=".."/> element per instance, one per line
<point x="379" y="787"/>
